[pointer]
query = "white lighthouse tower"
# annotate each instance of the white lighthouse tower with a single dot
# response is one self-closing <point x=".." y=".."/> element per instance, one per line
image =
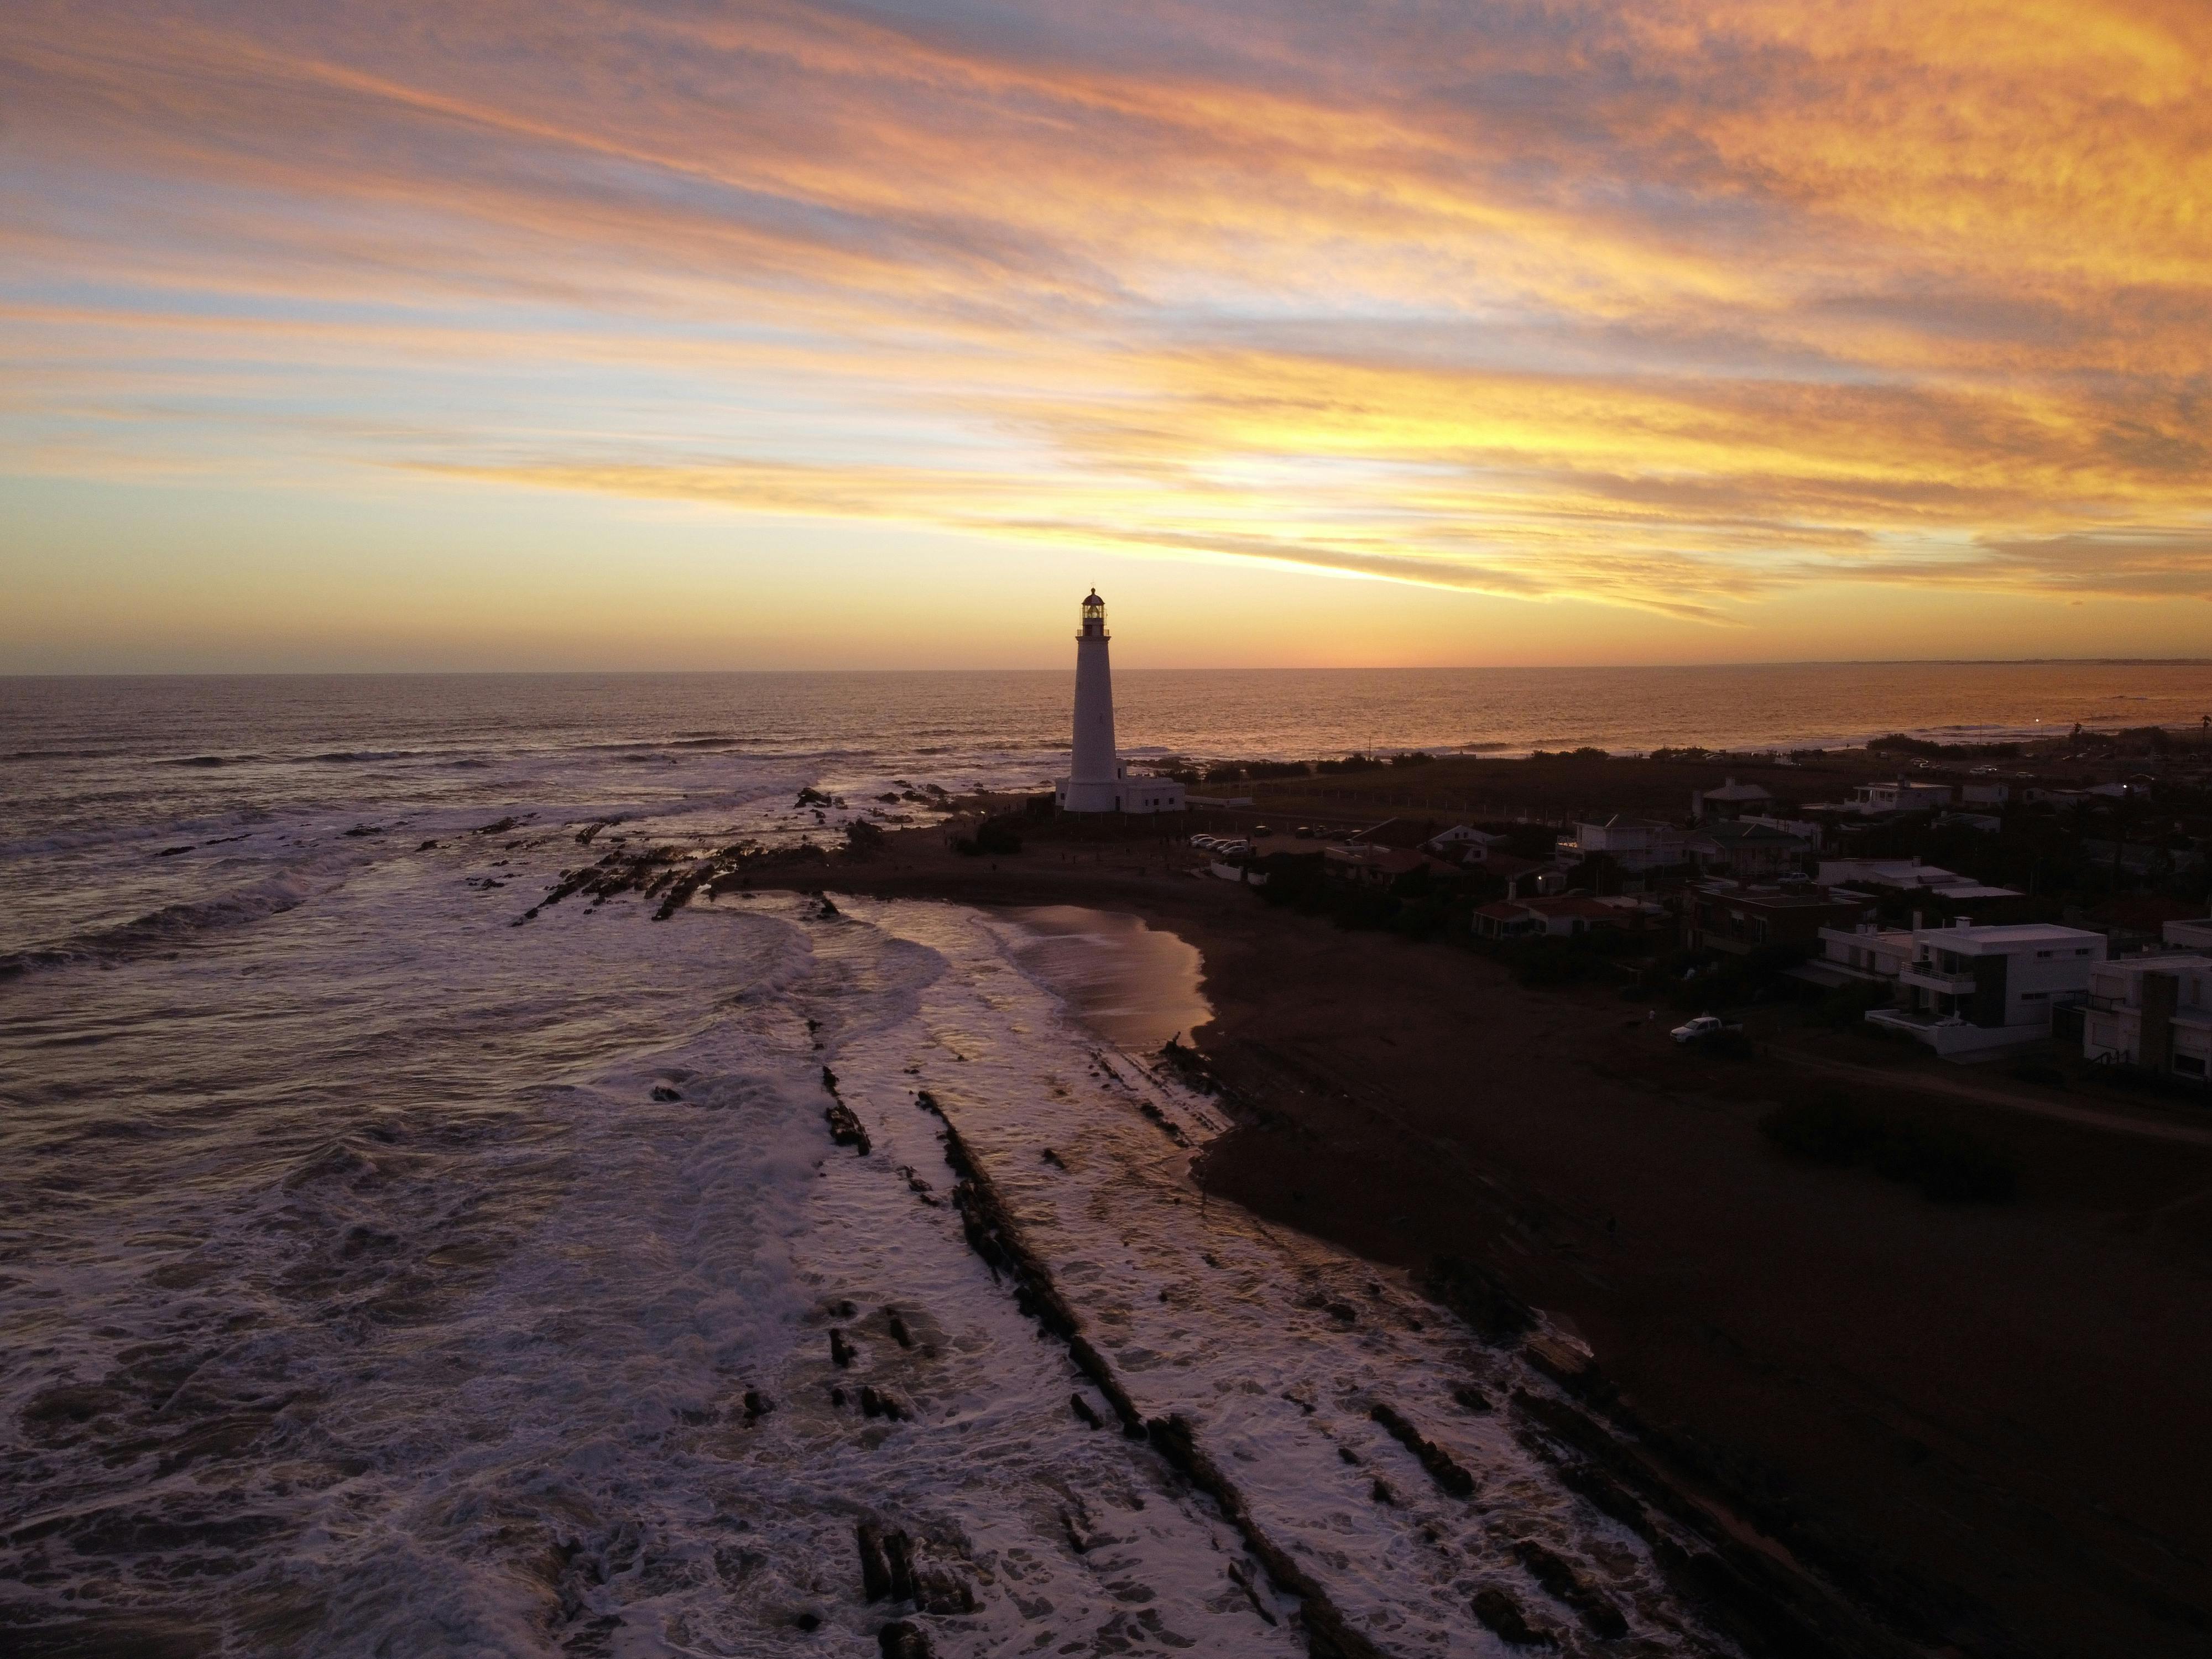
<point x="1096" y="779"/>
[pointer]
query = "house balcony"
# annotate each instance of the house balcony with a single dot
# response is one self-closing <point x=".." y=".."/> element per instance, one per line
<point x="1930" y="977"/>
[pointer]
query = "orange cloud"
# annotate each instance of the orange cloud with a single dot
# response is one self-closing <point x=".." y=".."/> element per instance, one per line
<point x="1669" y="306"/>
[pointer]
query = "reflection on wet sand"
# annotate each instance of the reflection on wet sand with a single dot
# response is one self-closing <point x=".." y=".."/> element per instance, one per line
<point x="1135" y="985"/>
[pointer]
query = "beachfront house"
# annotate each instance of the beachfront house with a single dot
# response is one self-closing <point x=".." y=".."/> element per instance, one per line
<point x="1633" y="844"/>
<point x="1738" y="918"/>
<point x="1731" y="800"/>
<point x="1968" y="990"/>
<point x="1557" y="918"/>
<point x="2188" y="935"/>
<point x="1901" y="795"/>
<point x="1371" y="864"/>
<point x="2155" y="1012"/>
<point x="1464" y="844"/>
<point x="1906" y="876"/>
<point x="1804" y="828"/>
<point x="1867" y="951"/>
<point x="1745" y="851"/>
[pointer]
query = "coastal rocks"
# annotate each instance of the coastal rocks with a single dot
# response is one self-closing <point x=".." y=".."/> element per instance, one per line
<point x="918" y="1186"/>
<point x="903" y="1639"/>
<point x="1166" y="1124"/>
<point x="1563" y="1583"/>
<point x="993" y="1234"/>
<point x="680" y="893"/>
<point x="1470" y="1398"/>
<point x="1440" y="1464"/>
<point x="1329" y="1633"/>
<point x="845" y="1126"/>
<point x="498" y="828"/>
<point x="841" y="1350"/>
<point x="897" y="1326"/>
<point x="1502" y="1615"/>
<point x="892" y="1569"/>
<point x="846" y="1129"/>
<point x="663" y="1093"/>
<point x="875" y="1568"/>
<point x="757" y="1406"/>
<point x="1085" y="1414"/>
<point x="882" y="1402"/>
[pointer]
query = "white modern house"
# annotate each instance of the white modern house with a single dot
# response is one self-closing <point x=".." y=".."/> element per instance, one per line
<point x="1097" y="778"/>
<point x="2154" y="1012"/>
<point x="1635" y="844"/>
<point x="1868" y="951"/>
<point x="2188" y="935"/>
<point x="1968" y="990"/>
<point x="1901" y="796"/>
<point x="1906" y="875"/>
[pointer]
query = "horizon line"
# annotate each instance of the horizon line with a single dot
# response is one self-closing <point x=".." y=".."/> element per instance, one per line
<point x="1279" y="668"/>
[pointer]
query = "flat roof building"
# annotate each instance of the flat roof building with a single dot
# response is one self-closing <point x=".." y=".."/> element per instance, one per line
<point x="2155" y="1012"/>
<point x="1970" y="989"/>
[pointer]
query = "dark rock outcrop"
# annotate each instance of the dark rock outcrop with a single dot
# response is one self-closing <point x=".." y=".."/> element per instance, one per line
<point x="1563" y="1583"/>
<point x="846" y="1129"/>
<point x="1442" y="1468"/>
<point x="1502" y="1613"/>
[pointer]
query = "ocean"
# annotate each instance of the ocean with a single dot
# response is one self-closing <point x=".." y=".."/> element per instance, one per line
<point x="387" y="1274"/>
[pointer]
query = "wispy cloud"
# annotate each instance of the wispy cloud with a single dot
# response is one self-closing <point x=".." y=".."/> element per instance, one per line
<point x="1669" y="306"/>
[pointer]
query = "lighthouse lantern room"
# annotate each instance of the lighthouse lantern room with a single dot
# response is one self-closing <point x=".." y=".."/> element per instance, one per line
<point x="1097" y="779"/>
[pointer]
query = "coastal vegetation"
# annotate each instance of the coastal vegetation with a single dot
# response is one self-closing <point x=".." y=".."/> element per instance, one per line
<point x="1946" y="1165"/>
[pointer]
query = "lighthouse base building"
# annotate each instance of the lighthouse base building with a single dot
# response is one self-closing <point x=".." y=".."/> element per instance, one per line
<point x="1097" y="778"/>
<point x="1123" y="794"/>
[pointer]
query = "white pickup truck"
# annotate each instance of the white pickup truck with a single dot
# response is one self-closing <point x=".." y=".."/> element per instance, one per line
<point x="1703" y="1025"/>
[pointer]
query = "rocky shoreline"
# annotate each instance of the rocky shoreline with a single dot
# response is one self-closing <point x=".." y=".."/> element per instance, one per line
<point x="1837" y="1506"/>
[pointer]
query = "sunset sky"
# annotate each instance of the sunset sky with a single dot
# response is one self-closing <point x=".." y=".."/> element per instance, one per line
<point x="559" y="334"/>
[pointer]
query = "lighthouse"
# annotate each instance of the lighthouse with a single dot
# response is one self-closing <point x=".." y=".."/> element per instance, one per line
<point x="1097" y="779"/>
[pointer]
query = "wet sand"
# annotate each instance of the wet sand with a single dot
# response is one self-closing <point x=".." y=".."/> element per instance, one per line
<point x="1136" y="985"/>
<point x="1987" y="1423"/>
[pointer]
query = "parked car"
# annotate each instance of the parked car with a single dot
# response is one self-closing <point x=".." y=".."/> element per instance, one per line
<point x="1207" y="841"/>
<point x="1705" y="1026"/>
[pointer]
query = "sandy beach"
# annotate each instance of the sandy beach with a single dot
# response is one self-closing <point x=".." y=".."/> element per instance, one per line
<point x="1981" y="1423"/>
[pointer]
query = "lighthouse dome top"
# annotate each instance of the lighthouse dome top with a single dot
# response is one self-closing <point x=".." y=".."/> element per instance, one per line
<point x="1094" y="617"/>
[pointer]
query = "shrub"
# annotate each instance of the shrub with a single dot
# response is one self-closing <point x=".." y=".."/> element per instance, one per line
<point x="1846" y="1007"/>
<point x="1947" y="1165"/>
<point x="996" y="837"/>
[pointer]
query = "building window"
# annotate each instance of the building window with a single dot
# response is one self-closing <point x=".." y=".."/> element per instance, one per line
<point x="2189" y="1064"/>
<point x="2034" y="996"/>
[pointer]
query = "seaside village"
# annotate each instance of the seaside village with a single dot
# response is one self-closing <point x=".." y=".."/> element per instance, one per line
<point x="1995" y="901"/>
